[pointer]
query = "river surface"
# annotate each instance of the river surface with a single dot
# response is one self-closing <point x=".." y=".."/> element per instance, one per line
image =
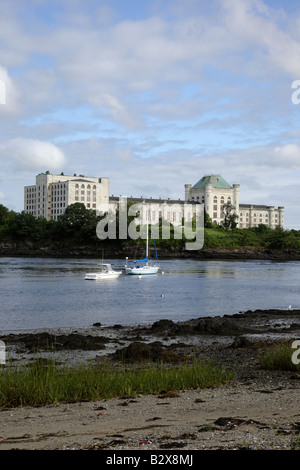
<point x="42" y="293"/>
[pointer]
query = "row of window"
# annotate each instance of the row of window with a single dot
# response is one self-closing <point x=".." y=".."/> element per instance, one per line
<point x="57" y="193"/>
<point x="83" y="198"/>
<point x="88" y="186"/>
<point x="222" y="200"/>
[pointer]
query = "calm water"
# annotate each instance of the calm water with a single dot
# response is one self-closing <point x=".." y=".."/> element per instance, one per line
<point x="51" y="293"/>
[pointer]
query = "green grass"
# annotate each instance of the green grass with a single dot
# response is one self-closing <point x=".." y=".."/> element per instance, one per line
<point x="40" y="384"/>
<point x="257" y="237"/>
<point x="279" y="357"/>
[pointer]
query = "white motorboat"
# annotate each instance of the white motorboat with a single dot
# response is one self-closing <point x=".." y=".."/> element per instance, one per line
<point x="106" y="272"/>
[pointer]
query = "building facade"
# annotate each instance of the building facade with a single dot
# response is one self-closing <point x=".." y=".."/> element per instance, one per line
<point x="153" y="210"/>
<point x="52" y="194"/>
<point x="213" y="191"/>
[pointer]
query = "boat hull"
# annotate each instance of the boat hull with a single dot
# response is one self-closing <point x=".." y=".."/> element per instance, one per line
<point x="106" y="272"/>
<point x="141" y="271"/>
<point x="98" y="276"/>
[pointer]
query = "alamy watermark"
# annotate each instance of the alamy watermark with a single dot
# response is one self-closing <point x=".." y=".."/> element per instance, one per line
<point x="296" y="94"/>
<point x="2" y="92"/>
<point x="2" y="353"/>
<point x="114" y="223"/>
<point x="295" y="358"/>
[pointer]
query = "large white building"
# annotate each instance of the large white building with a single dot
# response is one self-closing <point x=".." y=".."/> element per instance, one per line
<point x="213" y="191"/>
<point x="51" y="194"/>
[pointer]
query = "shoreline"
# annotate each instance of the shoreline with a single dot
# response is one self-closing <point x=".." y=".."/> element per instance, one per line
<point x="90" y="252"/>
<point x="258" y="409"/>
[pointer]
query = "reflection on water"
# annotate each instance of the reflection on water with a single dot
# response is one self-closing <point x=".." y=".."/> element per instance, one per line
<point x="50" y="293"/>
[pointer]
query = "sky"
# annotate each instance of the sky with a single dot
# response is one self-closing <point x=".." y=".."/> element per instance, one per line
<point x="153" y="95"/>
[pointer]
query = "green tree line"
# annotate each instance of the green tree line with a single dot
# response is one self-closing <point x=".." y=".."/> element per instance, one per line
<point x="78" y="226"/>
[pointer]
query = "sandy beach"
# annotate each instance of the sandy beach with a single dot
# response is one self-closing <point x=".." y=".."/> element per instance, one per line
<point x="257" y="410"/>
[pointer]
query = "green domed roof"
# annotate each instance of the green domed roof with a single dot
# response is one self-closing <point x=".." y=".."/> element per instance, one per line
<point x="216" y="180"/>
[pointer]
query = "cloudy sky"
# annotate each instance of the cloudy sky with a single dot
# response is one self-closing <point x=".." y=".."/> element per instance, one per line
<point x="152" y="94"/>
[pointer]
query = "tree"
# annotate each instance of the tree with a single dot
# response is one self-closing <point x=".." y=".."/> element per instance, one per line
<point x="78" y="222"/>
<point x="22" y="226"/>
<point x="230" y="217"/>
<point x="3" y="215"/>
<point x="207" y="220"/>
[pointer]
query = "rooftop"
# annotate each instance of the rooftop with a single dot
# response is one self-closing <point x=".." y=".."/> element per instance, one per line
<point x="216" y="180"/>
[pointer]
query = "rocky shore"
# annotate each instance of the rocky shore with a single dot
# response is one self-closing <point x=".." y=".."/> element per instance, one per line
<point x="29" y="249"/>
<point x="258" y="409"/>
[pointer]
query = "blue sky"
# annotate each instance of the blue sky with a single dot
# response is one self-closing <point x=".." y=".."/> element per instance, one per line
<point x="153" y="95"/>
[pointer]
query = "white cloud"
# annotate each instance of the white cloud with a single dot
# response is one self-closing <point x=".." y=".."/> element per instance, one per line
<point x="287" y="156"/>
<point x="115" y="107"/>
<point x="33" y="154"/>
<point x="253" y="24"/>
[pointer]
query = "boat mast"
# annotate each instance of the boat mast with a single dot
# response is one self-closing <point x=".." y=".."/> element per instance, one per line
<point x="147" y="247"/>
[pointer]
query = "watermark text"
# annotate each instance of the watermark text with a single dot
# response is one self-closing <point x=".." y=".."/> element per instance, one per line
<point x="2" y="353"/>
<point x="125" y="221"/>
<point x="296" y="354"/>
<point x="296" y="94"/>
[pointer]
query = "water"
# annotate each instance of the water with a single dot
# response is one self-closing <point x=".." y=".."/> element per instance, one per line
<point x="52" y="293"/>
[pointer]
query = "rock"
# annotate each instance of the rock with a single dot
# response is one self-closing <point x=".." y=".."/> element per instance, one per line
<point x="152" y="352"/>
<point x="217" y="326"/>
<point x="162" y="325"/>
<point x="241" y="342"/>
<point x="50" y="342"/>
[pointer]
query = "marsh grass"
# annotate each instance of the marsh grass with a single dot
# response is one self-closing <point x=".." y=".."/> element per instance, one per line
<point x="42" y="383"/>
<point x="279" y="357"/>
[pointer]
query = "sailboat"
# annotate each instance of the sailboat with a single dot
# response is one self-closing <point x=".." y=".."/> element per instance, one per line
<point x="142" y="266"/>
